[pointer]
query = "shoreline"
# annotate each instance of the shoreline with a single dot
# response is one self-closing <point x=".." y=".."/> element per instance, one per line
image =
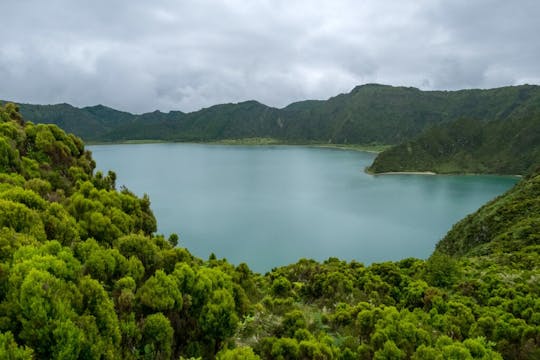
<point x="431" y="173"/>
<point x="125" y="142"/>
<point x="374" y="149"/>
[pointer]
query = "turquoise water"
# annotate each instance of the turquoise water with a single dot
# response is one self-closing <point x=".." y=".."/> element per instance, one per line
<point x="272" y="205"/>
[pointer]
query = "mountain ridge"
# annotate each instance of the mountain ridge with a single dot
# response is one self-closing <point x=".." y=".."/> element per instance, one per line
<point x="368" y="114"/>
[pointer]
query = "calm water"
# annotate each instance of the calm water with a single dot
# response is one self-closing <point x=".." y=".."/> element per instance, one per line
<point x="270" y="206"/>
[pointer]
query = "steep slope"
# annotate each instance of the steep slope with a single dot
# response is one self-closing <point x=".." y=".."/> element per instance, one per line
<point x="69" y="118"/>
<point x="510" y="146"/>
<point x="509" y="223"/>
<point x="369" y="114"/>
<point x="93" y="121"/>
<point x="227" y="121"/>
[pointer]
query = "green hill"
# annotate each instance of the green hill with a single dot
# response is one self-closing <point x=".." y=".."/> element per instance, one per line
<point x="510" y="146"/>
<point x="92" y="121"/>
<point x="369" y="114"/>
<point x="84" y="276"/>
<point x="506" y="224"/>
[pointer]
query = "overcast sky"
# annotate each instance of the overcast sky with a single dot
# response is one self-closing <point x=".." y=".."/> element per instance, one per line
<point x="140" y="55"/>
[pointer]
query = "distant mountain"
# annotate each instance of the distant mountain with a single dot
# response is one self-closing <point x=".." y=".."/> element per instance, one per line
<point x="369" y="114"/>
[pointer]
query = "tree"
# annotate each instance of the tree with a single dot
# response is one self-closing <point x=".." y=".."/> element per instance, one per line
<point x="173" y="239"/>
<point x="240" y="353"/>
<point x="218" y="318"/>
<point x="389" y="352"/>
<point x="441" y="270"/>
<point x="9" y="349"/>
<point x="160" y="293"/>
<point x="157" y="337"/>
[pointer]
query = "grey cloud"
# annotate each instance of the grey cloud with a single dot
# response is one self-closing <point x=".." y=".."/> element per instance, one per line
<point x="183" y="55"/>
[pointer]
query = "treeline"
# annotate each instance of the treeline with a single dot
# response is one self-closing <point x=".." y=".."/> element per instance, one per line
<point x="84" y="276"/>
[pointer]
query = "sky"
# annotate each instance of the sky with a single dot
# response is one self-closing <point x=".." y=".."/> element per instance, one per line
<point x="140" y="55"/>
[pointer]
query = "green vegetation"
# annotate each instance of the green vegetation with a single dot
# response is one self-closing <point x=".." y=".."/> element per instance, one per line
<point x="466" y="131"/>
<point x="369" y="114"/>
<point x="508" y="223"/>
<point x="369" y="148"/>
<point x="510" y="146"/>
<point x="269" y="141"/>
<point x="249" y="141"/>
<point x="84" y="276"/>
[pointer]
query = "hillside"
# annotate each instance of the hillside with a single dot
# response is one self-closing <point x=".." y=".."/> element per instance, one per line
<point x="92" y="122"/>
<point x="84" y="276"/>
<point x="506" y="224"/>
<point x="509" y="146"/>
<point x="369" y="114"/>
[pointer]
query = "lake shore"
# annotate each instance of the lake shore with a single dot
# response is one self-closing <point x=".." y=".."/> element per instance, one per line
<point x="251" y="142"/>
<point x="126" y="142"/>
<point x="375" y="149"/>
<point x="431" y="173"/>
<point x="405" y="173"/>
<point x="275" y="142"/>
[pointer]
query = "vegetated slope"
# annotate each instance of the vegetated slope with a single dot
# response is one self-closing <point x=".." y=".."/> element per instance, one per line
<point x="84" y="276"/>
<point x="228" y="121"/>
<point x="510" y="146"/>
<point x="390" y="115"/>
<point x="369" y="114"/>
<point x="506" y="224"/>
<point x="92" y="122"/>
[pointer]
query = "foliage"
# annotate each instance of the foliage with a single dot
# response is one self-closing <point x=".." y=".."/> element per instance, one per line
<point x="505" y="146"/>
<point x="509" y="222"/>
<point x="369" y="114"/>
<point x="84" y="276"/>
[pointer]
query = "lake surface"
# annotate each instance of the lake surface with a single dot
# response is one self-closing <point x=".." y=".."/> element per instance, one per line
<point x="272" y="205"/>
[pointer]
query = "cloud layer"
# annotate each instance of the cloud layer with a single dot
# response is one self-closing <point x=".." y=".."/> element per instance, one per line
<point x="183" y="55"/>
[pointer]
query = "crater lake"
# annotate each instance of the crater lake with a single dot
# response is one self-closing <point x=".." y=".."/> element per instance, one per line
<point x="269" y="206"/>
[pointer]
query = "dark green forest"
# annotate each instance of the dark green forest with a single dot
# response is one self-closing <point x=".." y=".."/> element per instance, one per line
<point x="83" y="275"/>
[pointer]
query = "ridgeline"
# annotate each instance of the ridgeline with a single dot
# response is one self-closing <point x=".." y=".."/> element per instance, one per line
<point x="84" y="276"/>
<point x="369" y="114"/>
